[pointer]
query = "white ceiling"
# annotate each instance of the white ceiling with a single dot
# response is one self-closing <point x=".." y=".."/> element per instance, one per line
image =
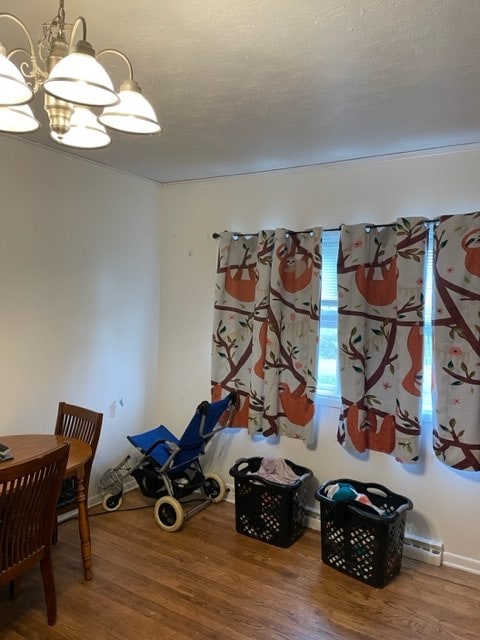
<point x="253" y="85"/>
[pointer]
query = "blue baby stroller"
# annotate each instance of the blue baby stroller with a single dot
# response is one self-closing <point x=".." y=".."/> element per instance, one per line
<point x="169" y="468"/>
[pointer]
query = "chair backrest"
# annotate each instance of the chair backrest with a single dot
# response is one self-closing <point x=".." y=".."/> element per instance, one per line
<point x="83" y="424"/>
<point x="78" y="422"/>
<point x="28" y="496"/>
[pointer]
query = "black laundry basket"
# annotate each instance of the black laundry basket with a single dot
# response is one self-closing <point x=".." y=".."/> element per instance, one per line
<point x="265" y="510"/>
<point x="358" y="542"/>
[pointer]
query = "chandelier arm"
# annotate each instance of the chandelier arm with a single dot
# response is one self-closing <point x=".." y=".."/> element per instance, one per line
<point x="30" y="69"/>
<point x="17" y="50"/>
<point x="35" y="71"/>
<point x="120" y="55"/>
<point x="78" y="21"/>
<point x="23" y="27"/>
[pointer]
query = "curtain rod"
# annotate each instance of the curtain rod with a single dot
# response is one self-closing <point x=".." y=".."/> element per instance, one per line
<point x="216" y="235"/>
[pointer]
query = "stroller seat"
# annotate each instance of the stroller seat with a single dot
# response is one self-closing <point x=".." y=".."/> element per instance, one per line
<point x="157" y="442"/>
<point x="169" y="469"/>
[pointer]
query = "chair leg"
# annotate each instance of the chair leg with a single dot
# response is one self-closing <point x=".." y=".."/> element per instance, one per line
<point x="46" y="568"/>
<point x="14" y="588"/>
<point x="55" y="531"/>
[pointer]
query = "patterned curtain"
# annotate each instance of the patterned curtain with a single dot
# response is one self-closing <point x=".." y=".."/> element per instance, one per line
<point x="380" y="336"/>
<point x="266" y="326"/>
<point x="456" y="341"/>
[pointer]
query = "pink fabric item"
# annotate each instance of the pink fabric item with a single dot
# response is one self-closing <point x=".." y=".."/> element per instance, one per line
<point x="277" y="470"/>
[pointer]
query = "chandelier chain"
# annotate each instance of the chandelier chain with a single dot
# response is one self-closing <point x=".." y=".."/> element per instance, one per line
<point x="54" y="30"/>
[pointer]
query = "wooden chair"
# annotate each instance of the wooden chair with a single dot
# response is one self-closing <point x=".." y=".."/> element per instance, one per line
<point x="28" y="496"/>
<point x="84" y="424"/>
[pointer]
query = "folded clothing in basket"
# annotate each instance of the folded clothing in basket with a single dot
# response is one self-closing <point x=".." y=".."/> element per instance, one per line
<point x="343" y="491"/>
<point x="276" y="470"/>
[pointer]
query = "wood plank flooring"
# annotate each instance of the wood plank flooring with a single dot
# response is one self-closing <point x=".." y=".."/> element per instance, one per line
<point x="207" y="582"/>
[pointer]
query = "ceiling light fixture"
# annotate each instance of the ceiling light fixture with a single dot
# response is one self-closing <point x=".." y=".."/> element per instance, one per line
<point x="76" y="86"/>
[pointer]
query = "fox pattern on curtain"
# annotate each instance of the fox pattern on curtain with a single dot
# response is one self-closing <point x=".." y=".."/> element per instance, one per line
<point x="380" y="336"/>
<point x="456" y="340"/>
<point x="266" y="327"/>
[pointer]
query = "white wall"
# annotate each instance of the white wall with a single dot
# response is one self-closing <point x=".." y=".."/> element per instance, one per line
<point x="82" y="303"/>
<point x="79" y="311"/>
<point x="376" y="191"/>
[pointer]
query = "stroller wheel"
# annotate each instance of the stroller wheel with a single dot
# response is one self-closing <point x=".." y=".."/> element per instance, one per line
<point x="112" y="502"/>
<point x="169" y="513"/>
<point x="214" y="487"/>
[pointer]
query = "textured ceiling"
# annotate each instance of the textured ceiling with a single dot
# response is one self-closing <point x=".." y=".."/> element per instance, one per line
<point x="256" y="85"/>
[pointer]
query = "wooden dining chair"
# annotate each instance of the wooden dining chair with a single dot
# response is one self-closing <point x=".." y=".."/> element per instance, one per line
<point x="83" y="424"/>
<point x="28" y="496"/>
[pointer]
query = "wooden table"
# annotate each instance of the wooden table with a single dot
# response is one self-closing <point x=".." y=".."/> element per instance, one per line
<point x="25" y="447"/>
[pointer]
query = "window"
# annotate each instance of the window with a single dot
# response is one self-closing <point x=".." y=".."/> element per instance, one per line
<point x="328" y="383"/>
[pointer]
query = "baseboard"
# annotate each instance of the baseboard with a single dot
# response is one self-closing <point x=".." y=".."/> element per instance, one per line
<point x="230" y="497"/>
<point x="461" y="562"/>
<point x="128" y="485"/>
<point x="313" y="519"/>
<point x="93" y="501"/>
<point x="416" y="547"/>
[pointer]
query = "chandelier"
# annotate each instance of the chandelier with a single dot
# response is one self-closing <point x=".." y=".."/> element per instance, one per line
<point x="80" y="99"/>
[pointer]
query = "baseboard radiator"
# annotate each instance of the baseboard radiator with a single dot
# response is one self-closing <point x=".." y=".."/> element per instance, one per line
<point x="423" y="549"/>
<point x="416" y="547"/>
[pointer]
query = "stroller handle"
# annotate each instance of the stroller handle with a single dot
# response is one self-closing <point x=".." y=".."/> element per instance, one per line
<point x="203" y="406"/>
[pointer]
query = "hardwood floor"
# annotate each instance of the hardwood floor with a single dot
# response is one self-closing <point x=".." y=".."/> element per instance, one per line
<point x="207" y="582"/>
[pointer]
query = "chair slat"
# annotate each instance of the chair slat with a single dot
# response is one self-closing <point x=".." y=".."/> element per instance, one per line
<point x="84" y="424"/>
<point x="28" y="495"/>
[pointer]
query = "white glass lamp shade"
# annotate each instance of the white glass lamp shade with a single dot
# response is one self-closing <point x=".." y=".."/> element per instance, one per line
<point x="133" y="114"/>
<point x="18" y="119"/>
<point x="13" y="88"/>
<point x="85" y="131"/>
<point x="80" y="79"/>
